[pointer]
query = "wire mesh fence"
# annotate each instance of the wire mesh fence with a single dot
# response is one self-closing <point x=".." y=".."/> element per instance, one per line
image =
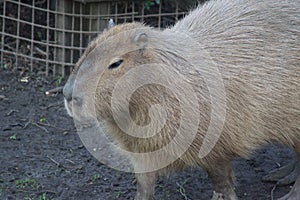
<point x="48" y="36"/>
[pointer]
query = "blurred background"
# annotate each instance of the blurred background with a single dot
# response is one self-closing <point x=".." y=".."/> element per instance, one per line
<point x="48" y="36"/>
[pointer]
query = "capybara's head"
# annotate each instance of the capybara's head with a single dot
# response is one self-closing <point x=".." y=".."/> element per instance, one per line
<point x="125" y="57"/>
<point x="105" y="61"/>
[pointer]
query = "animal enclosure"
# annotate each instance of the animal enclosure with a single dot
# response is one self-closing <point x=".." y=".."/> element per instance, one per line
<point x="49" y="36"/>
<point x="41" y="155"/>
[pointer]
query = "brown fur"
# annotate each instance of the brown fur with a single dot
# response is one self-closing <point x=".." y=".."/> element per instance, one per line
<point x="256" y="47"/>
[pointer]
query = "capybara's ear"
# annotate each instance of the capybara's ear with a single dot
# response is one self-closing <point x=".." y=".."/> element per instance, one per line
<point x="141" y="40"/>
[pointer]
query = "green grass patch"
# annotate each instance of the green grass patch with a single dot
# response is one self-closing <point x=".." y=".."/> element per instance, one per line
<point x="27" y="183"/>
<point x="13" y="137"/>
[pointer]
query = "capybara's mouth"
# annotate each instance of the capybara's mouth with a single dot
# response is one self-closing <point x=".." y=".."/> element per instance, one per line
<point x="68" y="106"/>
<point x="85" y="125"/>
<point x="81" y="122"/>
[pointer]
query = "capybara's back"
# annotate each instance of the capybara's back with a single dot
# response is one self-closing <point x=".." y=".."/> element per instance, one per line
<point x="256" y="47"/>
<point x="229" y="72"/>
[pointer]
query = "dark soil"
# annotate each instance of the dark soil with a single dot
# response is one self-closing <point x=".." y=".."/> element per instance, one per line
<point x="43" y="158"/>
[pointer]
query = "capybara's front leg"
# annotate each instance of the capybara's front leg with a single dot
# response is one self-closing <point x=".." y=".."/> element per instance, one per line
<point x="222" y="177"/>
<point x="145" y="185"/>
<point x="284" y="175"/>
<point x="294" y="194"/>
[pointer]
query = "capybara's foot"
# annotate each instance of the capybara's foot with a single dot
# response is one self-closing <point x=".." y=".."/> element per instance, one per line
<point x="220" y="196"/>
<point x="294" y="194"/>
<point x="284" y="175"/>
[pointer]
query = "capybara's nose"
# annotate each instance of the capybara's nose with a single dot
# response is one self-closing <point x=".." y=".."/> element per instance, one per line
<point x="67" y="92"/>
<point x="68" y="89"/>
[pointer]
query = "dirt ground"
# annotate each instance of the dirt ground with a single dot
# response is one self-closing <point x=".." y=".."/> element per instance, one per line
<point x="43" y="158"/>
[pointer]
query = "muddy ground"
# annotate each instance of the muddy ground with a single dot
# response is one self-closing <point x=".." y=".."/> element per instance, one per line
<point x="42" y="157"/>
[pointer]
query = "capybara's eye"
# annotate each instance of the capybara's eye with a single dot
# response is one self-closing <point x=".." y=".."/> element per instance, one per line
<point x="115" y="64"/>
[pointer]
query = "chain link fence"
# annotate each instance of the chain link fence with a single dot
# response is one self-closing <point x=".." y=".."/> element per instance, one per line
<point x="48" y="36"/>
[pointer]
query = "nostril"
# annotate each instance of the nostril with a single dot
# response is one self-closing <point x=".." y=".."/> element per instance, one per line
<point x="68" y="98"/>
<point x="68" y="89"/>
<point x="67" y="94"/>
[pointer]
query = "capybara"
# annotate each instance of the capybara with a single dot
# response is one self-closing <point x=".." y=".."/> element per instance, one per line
<point x="220" y="83"/>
